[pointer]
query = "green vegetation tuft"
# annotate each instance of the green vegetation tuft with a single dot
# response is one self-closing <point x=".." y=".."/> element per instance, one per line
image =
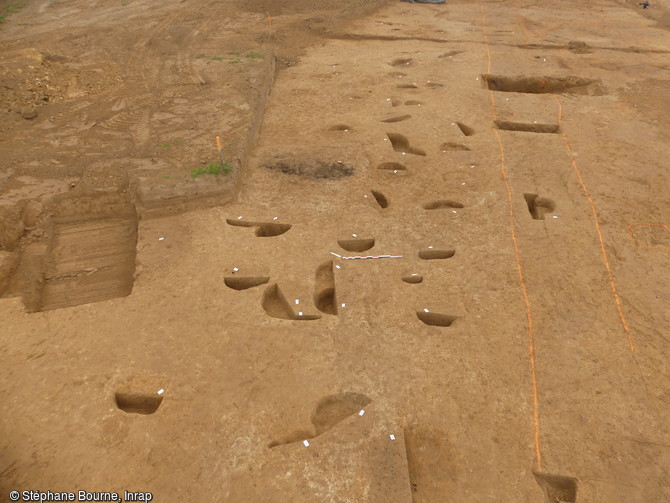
<point x="13" y="7"/>
<point x="10" y="8"/>
<point x="212" y="169"/>
<point x="254" y="55"/>
<point x="169" y="144"/>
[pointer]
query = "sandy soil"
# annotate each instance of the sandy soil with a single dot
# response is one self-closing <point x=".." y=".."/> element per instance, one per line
<point x="436" y="272"/>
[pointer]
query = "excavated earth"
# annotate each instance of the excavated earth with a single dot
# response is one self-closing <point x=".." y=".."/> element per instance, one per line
<point x="435" y="270"/>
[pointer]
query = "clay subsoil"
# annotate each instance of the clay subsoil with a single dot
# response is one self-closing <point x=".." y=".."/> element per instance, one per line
<point x="436" y="270"/>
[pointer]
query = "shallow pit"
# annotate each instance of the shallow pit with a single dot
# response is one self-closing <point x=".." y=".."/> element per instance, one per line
<point x="138" y="403"/>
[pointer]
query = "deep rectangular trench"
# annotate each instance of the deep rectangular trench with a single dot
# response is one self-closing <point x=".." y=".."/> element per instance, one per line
<point x="90" y="261"/>
<point x="542" y="84"/>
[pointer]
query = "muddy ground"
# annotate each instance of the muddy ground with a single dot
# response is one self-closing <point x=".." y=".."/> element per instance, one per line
<point x="434" y="269"/>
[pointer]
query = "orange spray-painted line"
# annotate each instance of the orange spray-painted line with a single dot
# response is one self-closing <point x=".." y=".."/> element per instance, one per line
<point x="603" y="251"/>
<point x="517" y="255"/>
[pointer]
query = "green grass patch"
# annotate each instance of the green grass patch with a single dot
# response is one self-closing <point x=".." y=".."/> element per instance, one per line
<point x="9" y="9"/>
<point x="169" y="144"/>
<point x="255" y="55"/>
<point x="217" y="58"/>
<point x="13" y="8"/>
<point x="212" y="169"/>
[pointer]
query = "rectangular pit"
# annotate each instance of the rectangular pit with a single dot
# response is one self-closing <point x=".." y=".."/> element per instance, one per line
<point x="90" y="261"/>
<point x="542" y="85"/>
<point x="527" y="127"/>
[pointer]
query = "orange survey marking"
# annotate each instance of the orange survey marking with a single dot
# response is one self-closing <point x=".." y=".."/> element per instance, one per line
<point x="642" y="224"/>
<point x="517" y="254"/>
<point x="603" y="251"/>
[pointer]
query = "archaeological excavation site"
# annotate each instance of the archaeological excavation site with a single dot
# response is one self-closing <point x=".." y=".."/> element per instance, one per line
<point x="366" y="251"/>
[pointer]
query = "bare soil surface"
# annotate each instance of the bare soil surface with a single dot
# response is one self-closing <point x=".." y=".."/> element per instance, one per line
<point x="436" y="272"/>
